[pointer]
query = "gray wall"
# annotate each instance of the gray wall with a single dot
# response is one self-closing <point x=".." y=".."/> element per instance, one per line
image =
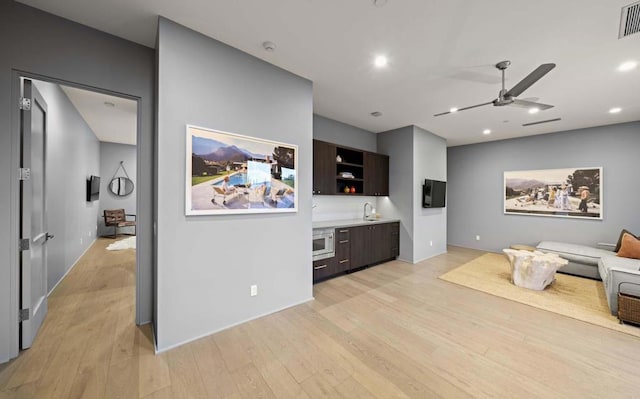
<point x="332" y="131"/>
<point x="429" y="225"/>
<point x="414" y="154"/>
<point x="475" y="196"/>
<point x="206" y="264"/>
<point x="398" y="144"/>
<point x="50" y="46"/>
<point x="73" y="155"/>
<point x="110" y="156"/>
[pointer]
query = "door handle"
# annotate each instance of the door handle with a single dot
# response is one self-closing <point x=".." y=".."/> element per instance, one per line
<point x="49" y="236"/>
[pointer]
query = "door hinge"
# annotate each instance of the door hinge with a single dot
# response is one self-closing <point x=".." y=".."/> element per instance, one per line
<point x="25" y="104"/>
<point x="23" y="315"/>
<point x="24" y="244"/>
<point x="25" y="173"/>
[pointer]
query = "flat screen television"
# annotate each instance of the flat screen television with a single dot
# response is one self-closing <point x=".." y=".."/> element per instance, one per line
<point x="434" y="194"/>
<point x="93" y="188"/>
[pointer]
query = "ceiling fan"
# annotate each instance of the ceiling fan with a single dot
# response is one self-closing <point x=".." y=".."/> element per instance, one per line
<point x="509" y="97"/>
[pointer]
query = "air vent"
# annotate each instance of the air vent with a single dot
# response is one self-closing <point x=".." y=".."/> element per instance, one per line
<point x="539" y="122"/>
<point x="630" y="20"/>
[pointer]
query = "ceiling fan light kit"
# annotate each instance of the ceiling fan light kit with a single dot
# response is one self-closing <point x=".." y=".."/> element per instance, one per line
<point x="508" y="97"/>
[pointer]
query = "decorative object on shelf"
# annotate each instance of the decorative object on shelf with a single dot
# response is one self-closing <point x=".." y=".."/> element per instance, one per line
<point x="347" y="190"/>
<point x="568" y="192"/>
<point x="338" y="158"/>
<point x="123" y="185"/>
<point x="228" y="173"/>
<point x="347" y="175"/>
<point x="353" y="189"/>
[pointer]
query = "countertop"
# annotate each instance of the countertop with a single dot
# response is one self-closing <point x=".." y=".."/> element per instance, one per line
<point x="325" y="224"/>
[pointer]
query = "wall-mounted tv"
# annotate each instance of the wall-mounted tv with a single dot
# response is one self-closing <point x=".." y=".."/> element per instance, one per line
<point x="434" y="194"/>
<point x="93" y="188"/>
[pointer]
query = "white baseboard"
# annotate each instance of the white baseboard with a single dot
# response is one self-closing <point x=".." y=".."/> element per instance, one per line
<point x="161" y="350"/>
<point x="72" y="266"/>
<point x="429" y="257"/>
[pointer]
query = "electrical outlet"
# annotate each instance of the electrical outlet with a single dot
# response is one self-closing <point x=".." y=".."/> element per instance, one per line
<point x="431" y="243"/>
<point x="477" y="238"/>
<point x="254" y="290"/>
<point x="90" y="233"/>
<point x="80" y="240"/>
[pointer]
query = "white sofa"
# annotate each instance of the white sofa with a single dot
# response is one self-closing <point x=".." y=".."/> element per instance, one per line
<point x="599" y="264"/>
<point x="619" y="274"/>
<point x="583" y="260"/>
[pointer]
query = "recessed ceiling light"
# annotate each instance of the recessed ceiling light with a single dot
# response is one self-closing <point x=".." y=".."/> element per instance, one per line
<point x="534" y="110"/>
<point x="627" y="66"/>
<point x="486" y="131"/>
<point x="109" y="104"/>
<point x="379" y="3"/>
<point x="380" y="61"/>
<point x="615" y="110"/>
<point x="376" y="113"/>
<point x="452" y="110"/>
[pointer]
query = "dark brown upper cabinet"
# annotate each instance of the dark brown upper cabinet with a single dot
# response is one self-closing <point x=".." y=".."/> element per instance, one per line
<point x="324" y="168"/>
<point x="340" y="170"/>
<point x="376" y="174"/>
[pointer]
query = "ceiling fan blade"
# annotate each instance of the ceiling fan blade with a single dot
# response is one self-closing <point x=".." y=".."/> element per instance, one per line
<point x="533" y="77"/>
<point x="462" y="109"/>
<point x="530" y="104"/>
<point x="539" y="122"/>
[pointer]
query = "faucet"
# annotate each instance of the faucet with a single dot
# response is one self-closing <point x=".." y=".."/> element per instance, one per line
<point x="364" y="216"/>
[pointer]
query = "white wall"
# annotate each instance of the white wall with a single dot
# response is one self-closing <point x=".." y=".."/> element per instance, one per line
<point x="429" y="225"/>
<point x="73" y="155"/>
<point x="206" y="264"/>
<point x="110" y="156"/>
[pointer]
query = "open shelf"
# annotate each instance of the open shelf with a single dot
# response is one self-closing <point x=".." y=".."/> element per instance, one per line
<point x="350" y="164"/>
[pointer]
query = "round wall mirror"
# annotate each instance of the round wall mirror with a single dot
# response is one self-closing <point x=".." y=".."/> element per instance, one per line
<point x="121" y="186"/>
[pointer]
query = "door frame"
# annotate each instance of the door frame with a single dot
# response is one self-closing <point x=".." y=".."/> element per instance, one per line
<point x="14" y="222"/>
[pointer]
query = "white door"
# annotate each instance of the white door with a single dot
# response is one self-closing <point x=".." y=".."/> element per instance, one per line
<point x="33" y="226"/>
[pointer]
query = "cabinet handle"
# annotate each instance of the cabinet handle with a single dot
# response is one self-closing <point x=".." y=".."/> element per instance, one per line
<point x="319" y="267"/>
<point x="344" y="241"/>
<point x="344" y="261"/>
<point x="343" y="231"/>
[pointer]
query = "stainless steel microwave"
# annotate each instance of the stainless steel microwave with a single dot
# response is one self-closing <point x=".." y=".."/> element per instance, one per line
<point x="323" y="244"/>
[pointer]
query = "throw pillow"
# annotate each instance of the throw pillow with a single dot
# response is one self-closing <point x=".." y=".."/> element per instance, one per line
<point x="622" y="233"/>
<point x="630" y="247"/>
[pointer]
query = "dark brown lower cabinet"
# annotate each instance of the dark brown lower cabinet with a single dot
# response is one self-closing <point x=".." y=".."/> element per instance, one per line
<point x="374" y="243"/>
<point x="343" y="250"/>
<point x="359" y="246"/>
<point x="323" y="268"/>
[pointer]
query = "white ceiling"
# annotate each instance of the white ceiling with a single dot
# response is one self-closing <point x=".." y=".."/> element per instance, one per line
<point x="441" y="54"/>
<point x="114" y="124"/>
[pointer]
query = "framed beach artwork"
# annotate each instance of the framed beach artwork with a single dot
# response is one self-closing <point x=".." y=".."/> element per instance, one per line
<point x="568" y="192"/>
<point x="229" y="173"/>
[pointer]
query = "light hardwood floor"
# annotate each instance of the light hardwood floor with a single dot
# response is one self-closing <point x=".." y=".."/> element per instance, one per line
<point x="391" y="331"/>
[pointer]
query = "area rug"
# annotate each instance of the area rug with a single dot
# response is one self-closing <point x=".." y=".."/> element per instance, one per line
<point x="580" y="298"/>
<point x="127" y="243"/>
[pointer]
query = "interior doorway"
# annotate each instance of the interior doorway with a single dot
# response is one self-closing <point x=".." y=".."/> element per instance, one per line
<point x="78" y="159"/>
